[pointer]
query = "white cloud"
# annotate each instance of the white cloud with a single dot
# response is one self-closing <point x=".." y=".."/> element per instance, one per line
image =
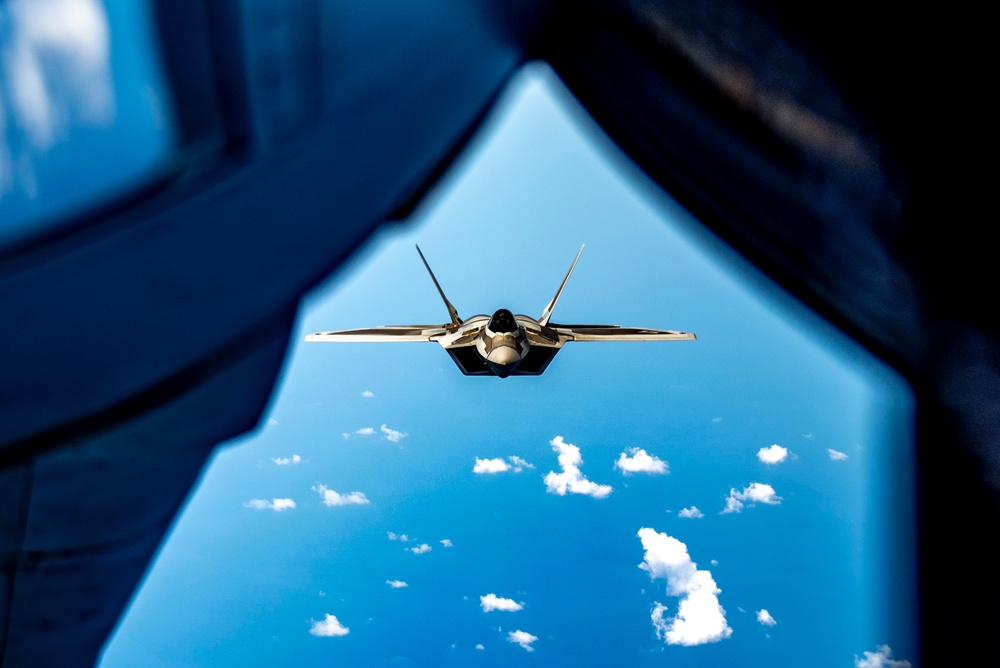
<point x="691" y="512"/>
<point x="522" y="638"/>
<point x="271" y="422"/>
<point x="492" y="602"/>
<point x="365" y="431"/>
<point x="447" y="542"/>
<point x="519" y="464"/>
<point x="332" y="498"/>
<point x="640" y="462"/>
<point x="700" y="619"/>
<point x="881" y="658"/>
<point x="757" y="492"/>
<point x="765" y="618"/>
<point x="276" y="505"/>
<point x="480" y="646"/>
<point x="368" y="394"/>
<point x="391" y="535"/>
<point x="571" y="479"/>
<point x="329" y="628"/>
<point x="660" y="625"/>
<point x="496" y="465"/>
<point x="285" y="461"/>
<point x="774" y="454"/>
<point x="420" y="549"/>
<point x="718" y="419"/>
<point x="836" y="455"/>
<point x="282" y="504"/>
<point x="346" y="435"/>
<point x="396" y="584"/>
<point x="392" y="434"/>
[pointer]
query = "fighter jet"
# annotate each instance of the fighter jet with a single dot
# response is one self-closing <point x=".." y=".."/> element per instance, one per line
<point x="503" y="344"/>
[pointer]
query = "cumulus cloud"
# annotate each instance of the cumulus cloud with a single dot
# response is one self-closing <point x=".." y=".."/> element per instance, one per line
<point x="640" y="462"/>
<point x="880" y="658"/>
<point x="757" y="492"/>
<point x="480" y="646"/>
<point x="773" y="454"/>
<point x="392" y="434"/>
<point x="420" y="549"/>
<point x="276" y="505"/>
<point x="699" y="619"/>
<point x="492" y="602"/>
<point x="447" y="542"/>
<point x="692" y="513"/>
<point x="836" y="455"/>
<point x="571" y="479"/>
<point x="368" y="394"/>
<point x="496" y="465"/>
<point x="285" y="461"/>
<point x="332" y="498"/>
<point x="660" y="624"/>
<point x="522" y="638"/>
<point x="765" y="618"/>
<point x="364" y="431"/>
<point x="396" y="584"/>
<point x="329" y="627"/>
<point x="401" y="537"/>
<point x="519" y="464"/>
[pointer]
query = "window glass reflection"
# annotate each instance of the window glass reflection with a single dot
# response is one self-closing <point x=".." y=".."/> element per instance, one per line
<point x="83" y="108"/>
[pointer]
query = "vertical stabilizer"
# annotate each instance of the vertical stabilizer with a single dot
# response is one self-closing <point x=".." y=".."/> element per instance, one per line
<point x="451" y="309"/>
<point x="547" y="313"/>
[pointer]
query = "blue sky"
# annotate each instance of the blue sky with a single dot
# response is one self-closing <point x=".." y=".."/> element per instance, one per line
<point x="771" y="414"/>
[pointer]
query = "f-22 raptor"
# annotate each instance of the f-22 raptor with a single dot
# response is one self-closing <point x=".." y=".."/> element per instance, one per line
<point x="503" y="344"/>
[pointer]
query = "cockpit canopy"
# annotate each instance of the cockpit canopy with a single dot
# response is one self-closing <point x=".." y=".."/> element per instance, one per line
<point x="502" y="322"/>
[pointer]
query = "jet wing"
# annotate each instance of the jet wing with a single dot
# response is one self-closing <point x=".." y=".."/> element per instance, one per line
<point x="384" y="333"/>
<point x="616" y="333"/>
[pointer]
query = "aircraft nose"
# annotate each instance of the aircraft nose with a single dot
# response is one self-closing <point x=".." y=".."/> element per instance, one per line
<point x="503" y="356"/>
<point x="503" y="360"/>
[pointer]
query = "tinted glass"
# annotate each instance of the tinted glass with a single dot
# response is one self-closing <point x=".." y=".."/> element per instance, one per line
<point x="84" y="112"/>
<point x="503" y="321"/>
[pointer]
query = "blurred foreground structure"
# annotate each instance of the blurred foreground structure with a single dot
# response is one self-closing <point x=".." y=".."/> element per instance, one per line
<point x="142" y="325"/>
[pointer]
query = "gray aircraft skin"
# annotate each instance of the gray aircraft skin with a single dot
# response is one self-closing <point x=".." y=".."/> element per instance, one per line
<point x="503" y="344"/>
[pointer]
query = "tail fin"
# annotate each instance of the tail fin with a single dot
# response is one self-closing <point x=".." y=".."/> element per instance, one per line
<point x="547" y="313"/>
<point x="451" y="309"/>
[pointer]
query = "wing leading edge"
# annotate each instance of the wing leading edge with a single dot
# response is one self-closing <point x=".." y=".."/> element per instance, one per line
<point x="384" y="333"/>
<point x="616" y="333"/>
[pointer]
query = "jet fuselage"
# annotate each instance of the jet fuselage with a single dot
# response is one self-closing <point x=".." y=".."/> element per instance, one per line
<point x="502" y="343"/>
